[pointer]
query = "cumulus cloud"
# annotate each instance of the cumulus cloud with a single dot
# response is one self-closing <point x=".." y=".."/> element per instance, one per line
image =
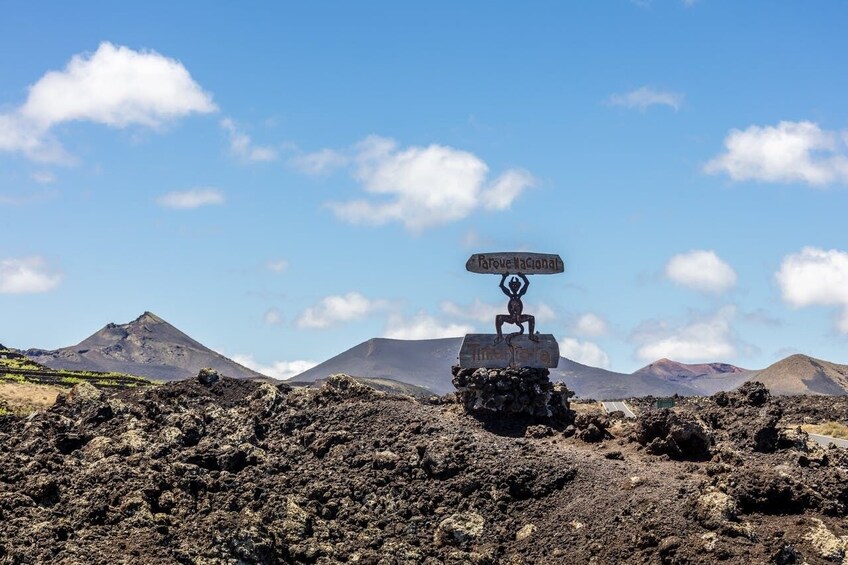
<point x="485" y="313"/>
<point x="43" y="177"/>
<point x="706" y="338"/>
<point x="418" y="186"/>
<point x="320" y="162"/>
<point x="788" y="152"/>
<point x="584" y="352"/>
<point x="27" y="275"/>
<point x="332" y="310"/>
<point x="242" y="146"/>
<point x="277" y="265"/>
<point x="115" y="86"/>
<point x="190" y="199"/>
<point x="278" y="369"/>
<point x="591" y="325"/>
<point x="816" y="277"/>
<point x="645" y="97"/>
<point x="272" y="317"/>
<point x="423" y="326"/>
<point x="701" y="270"/>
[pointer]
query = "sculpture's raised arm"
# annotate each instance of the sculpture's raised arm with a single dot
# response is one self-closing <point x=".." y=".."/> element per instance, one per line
<point x="524" y="287"/>
<point x="503" y="286"/>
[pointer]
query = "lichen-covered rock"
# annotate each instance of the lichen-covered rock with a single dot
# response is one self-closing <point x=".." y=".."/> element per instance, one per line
<point x="827" y="545"/>
<point x="715" y="508"/>
<point x="83" y="394"/>
<point x="459" y="529"/>
<point x="208" y="376"/>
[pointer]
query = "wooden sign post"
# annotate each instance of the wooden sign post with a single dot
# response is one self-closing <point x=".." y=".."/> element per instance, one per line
<point x="517" y="349"/>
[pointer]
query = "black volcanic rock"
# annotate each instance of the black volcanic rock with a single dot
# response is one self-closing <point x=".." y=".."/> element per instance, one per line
<point x="247" y="472"/>
<point x="148" y="347"/>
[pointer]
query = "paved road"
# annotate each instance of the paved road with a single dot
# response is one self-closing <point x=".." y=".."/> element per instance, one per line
<point x="825" y="440"/>
<point x="613" y="406"/>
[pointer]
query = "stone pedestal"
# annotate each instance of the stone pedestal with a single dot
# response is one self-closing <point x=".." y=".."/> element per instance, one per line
<point x="511" y="391"/>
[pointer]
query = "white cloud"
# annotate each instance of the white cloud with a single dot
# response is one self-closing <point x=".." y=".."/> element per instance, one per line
<point x="485" y="313"/>
<point x="591" y="325"/>
<point x="190" y="199"/>
<point x="505" y="189"/>
<point x="272" y="317"/>
<point x="114" y="86"/>
<point x="645" y="97"/>
<point x="418" y="186"/>
<point x="423" y="326"/>
<point x="43" y="177"/>
<point x="17" y="135"/>
<point x="242" y="146"/>
<point x="332" y="310"/>
<point x="584" y="352"/>
<point x="277" y="265"/>
<point x="27" y="275"/>
<point x="279" y="369"/>
<point x="472" y="239"/>
<point x="701" y="270"/>
<point x="320" y="162"/>
<point x="708" y="338"/>
<point x="788" y="152"/>
<point x="816" y="277"/>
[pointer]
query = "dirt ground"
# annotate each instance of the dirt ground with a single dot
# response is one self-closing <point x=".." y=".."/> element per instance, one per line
<point x="24" y="398"/>
<point x="241" y="472"/>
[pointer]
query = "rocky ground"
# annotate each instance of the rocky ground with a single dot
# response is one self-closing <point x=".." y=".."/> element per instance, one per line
<point x="215" y="470"/>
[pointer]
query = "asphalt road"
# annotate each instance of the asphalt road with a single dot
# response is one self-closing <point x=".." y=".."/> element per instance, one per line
<point x="825" y="440"/>
<point x="613" y="406"/>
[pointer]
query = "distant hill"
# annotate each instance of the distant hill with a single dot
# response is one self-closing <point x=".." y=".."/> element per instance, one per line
<point x="705" y="378"/>
<point x="424" y="363"/>
<point x="800" y="374"/>
<point x="148" y="347"/>
<point x="601" y="384"/>
<point x="427" y="363"/>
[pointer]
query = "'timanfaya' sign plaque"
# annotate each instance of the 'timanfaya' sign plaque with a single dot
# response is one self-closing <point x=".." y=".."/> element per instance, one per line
<point x="515" y="262"/>
<point x="481" y="350"/>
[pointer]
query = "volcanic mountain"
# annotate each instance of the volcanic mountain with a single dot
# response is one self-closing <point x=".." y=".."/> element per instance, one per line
<point x="705" y="378"/>
<point x="800" y="374"/>
<point x="427" y="363"/>
<point x="148" y="346"/>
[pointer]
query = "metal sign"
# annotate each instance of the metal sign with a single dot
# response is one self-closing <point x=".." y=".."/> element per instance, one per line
<point x="515" y="262"/>
<point x="516" y="349"/>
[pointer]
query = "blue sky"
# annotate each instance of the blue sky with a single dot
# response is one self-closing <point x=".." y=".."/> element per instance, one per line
<point x="284" y="181"/>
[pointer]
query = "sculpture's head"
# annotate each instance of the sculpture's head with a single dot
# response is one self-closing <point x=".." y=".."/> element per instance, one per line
<point x="514" y="284"/>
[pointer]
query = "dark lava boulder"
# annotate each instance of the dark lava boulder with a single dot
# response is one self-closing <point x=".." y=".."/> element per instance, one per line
<point x="680" y="436"/>
<point x="747" y="416"/>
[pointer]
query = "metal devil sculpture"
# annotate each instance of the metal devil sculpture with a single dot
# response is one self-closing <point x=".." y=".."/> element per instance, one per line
<point x="515" y="349"/>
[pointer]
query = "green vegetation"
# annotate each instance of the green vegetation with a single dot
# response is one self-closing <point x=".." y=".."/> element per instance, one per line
<point x="4" y="412"/>
<point x="16" y="368"/>
<point x="14" y="378"/>
<point x="70" y="381"/>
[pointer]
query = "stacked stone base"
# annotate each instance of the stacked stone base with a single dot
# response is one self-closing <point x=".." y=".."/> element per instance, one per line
<point x="512" y="391"/>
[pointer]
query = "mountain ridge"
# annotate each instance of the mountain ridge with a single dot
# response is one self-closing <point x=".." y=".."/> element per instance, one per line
<point x="148" y="346"/>
<point x="427" y="363"/>
<point x="802" y="374"/>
